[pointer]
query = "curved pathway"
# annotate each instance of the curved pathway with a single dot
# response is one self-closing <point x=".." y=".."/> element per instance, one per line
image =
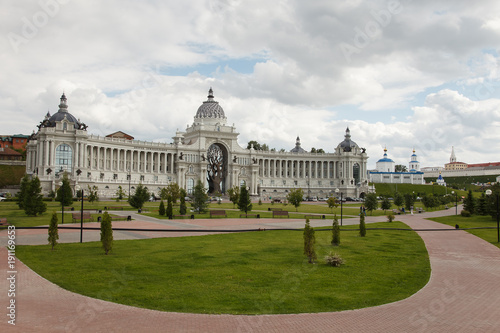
<point x="463" y="295"/>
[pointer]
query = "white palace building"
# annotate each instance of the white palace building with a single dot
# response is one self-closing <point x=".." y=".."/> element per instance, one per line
<point x="207" y="150"/>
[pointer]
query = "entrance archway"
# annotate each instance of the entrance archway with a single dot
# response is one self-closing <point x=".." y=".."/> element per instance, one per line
<point x="216" y="168"/>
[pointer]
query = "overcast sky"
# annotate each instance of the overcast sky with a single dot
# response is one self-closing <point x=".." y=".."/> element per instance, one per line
<point x="402" y="74"/>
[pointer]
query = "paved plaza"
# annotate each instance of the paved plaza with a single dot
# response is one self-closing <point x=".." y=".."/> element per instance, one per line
<point x="463" y="294"/>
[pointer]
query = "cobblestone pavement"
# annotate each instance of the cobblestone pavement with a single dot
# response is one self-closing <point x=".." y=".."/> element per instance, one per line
<point x="463" y="294"/>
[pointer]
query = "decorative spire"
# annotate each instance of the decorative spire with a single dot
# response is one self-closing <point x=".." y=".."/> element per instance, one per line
<point x="347" y="134"/>
<point x="210" y="94"/>
<point x="63" y="106"/>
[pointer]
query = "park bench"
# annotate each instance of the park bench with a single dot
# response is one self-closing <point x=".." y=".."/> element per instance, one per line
<point x="314" y="216"/>
<point x="218" y="213"/>
<point x="3" y="221"/>
<point x="273" y="209"/>
<point x="250" y="215"/>
<point x="420" y="210"/>
<point x="86" y="216"/>
<point x="69" y="208"/>
<point x="397" y="211"/>
<point x="280" y="213"/>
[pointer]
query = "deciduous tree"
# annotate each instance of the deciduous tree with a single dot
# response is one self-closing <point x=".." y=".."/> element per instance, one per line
<point x="371" y="202"/>
<point x="234" y="194"/>
<point x="295" y="197"/>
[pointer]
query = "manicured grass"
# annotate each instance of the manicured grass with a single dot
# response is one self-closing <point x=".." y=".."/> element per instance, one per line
<point x="475" y="221"/>
<point x="248" y="273"/>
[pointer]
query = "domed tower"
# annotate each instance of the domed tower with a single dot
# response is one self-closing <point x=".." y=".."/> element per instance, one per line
<point x="347" y="145"/>
<point x="297" y="148"/>
<point x="60" y="115"/>
<point x="414" y="164"/>
<point x="385" y="164"/>
<point x="210" y="112"/>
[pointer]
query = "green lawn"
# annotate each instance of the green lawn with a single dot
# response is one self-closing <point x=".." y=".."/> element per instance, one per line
<point x="247" y="273"/>
<point x="489" y="235"/>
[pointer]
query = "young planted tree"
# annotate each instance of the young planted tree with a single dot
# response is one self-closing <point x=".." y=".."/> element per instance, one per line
<point x="106" y="233"/>
<point x="170" y="210"/>
<point x="481" y="207"/>
<point x="64" y="194"/>
<point x="362" y="225"/>
<point x="295" y="197"/>
<point x="93" y="193"/>
<point x="33" y="199"/>
<point x="161" y="209"/>
<point x="244" y="203"/>
<point x="200" y="198"/>
<point x="371" y="202"/>
<point x="53" y="232"/>
<point x="234" y="195"/>
<point x="120" y="193"/>
<point x="140" y="196"/>
<point x="409" y="201"/>
<point x="182" y="207"/>
<point x="385" y="204"/>
<point x="332" y="203"/>
<point x="309" y="241"/>
<point x="335" y="231"/>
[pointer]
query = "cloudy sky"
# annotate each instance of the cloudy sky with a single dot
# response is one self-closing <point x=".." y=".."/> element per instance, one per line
<point x="402" y="74"/>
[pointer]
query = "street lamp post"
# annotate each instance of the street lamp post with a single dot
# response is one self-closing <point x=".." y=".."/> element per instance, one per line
<point x="62" y="203"/>
<point x="456" y="201"/>
<point x="341" y="212"/>
<point x="129" y="176"/>
<point x="489" y="192"/>
<point x="77" y="188"/>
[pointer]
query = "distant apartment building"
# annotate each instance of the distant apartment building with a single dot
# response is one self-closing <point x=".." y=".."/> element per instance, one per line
<point x="16" y="141"/>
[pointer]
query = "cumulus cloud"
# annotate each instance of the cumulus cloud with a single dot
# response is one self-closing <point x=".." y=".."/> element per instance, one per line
<point x="399" y="73"/>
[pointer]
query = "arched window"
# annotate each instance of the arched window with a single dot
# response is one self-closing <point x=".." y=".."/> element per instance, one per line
<point x="356" y="173"/>
<point x="64" y="157"/>
<point x="190" y="185"/>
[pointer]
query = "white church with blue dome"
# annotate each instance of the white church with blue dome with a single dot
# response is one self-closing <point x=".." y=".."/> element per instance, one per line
<point x="385" y="172"/>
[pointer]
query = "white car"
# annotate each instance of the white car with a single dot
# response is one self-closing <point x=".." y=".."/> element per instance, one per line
<point x="2" y="198"/>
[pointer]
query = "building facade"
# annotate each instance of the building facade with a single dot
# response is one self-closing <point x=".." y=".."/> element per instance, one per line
<point x="206" y="151"/>
<point x="385" y="172"/>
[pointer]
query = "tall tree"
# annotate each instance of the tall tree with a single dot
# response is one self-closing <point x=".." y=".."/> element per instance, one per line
<point x="255" y="144"/>
<point x="309" y="242"/>
<point x="182" y="207"/>
<point x="398" y="199"/>
<point x="234" y="195"/>
<point x="173" y="191"/>
<point x="244" y="203"/>
<point x="362" y="225"/>
<point x="200" y="198"/>
<point x="470" y="203"/>
<point x="53" y="232"/>
<point x="335" y="231"/>
<point x="371" y="202"/>
<point x="25" y="183"/>
<point x="400" y="168"/>
<point x="140" y="196"/>
<point x="295" y="197"/>
<point x="64" y="194"/>
<point x="33" y="200"/>
<point x="106" y="233"/>
<point x="481" y="207"/>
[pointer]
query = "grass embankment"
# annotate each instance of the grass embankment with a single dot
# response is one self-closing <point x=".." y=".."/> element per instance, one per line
<point x="475" y="221"/>
<point x="249" y="273"/>
<point x="11" y="174"/>
<point x="389" y="189"/>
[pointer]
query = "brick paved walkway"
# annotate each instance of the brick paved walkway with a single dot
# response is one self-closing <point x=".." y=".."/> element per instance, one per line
<point x="463" y="295"/>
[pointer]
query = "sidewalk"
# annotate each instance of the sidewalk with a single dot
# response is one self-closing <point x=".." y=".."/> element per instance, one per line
<point x="463" y="295"/>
